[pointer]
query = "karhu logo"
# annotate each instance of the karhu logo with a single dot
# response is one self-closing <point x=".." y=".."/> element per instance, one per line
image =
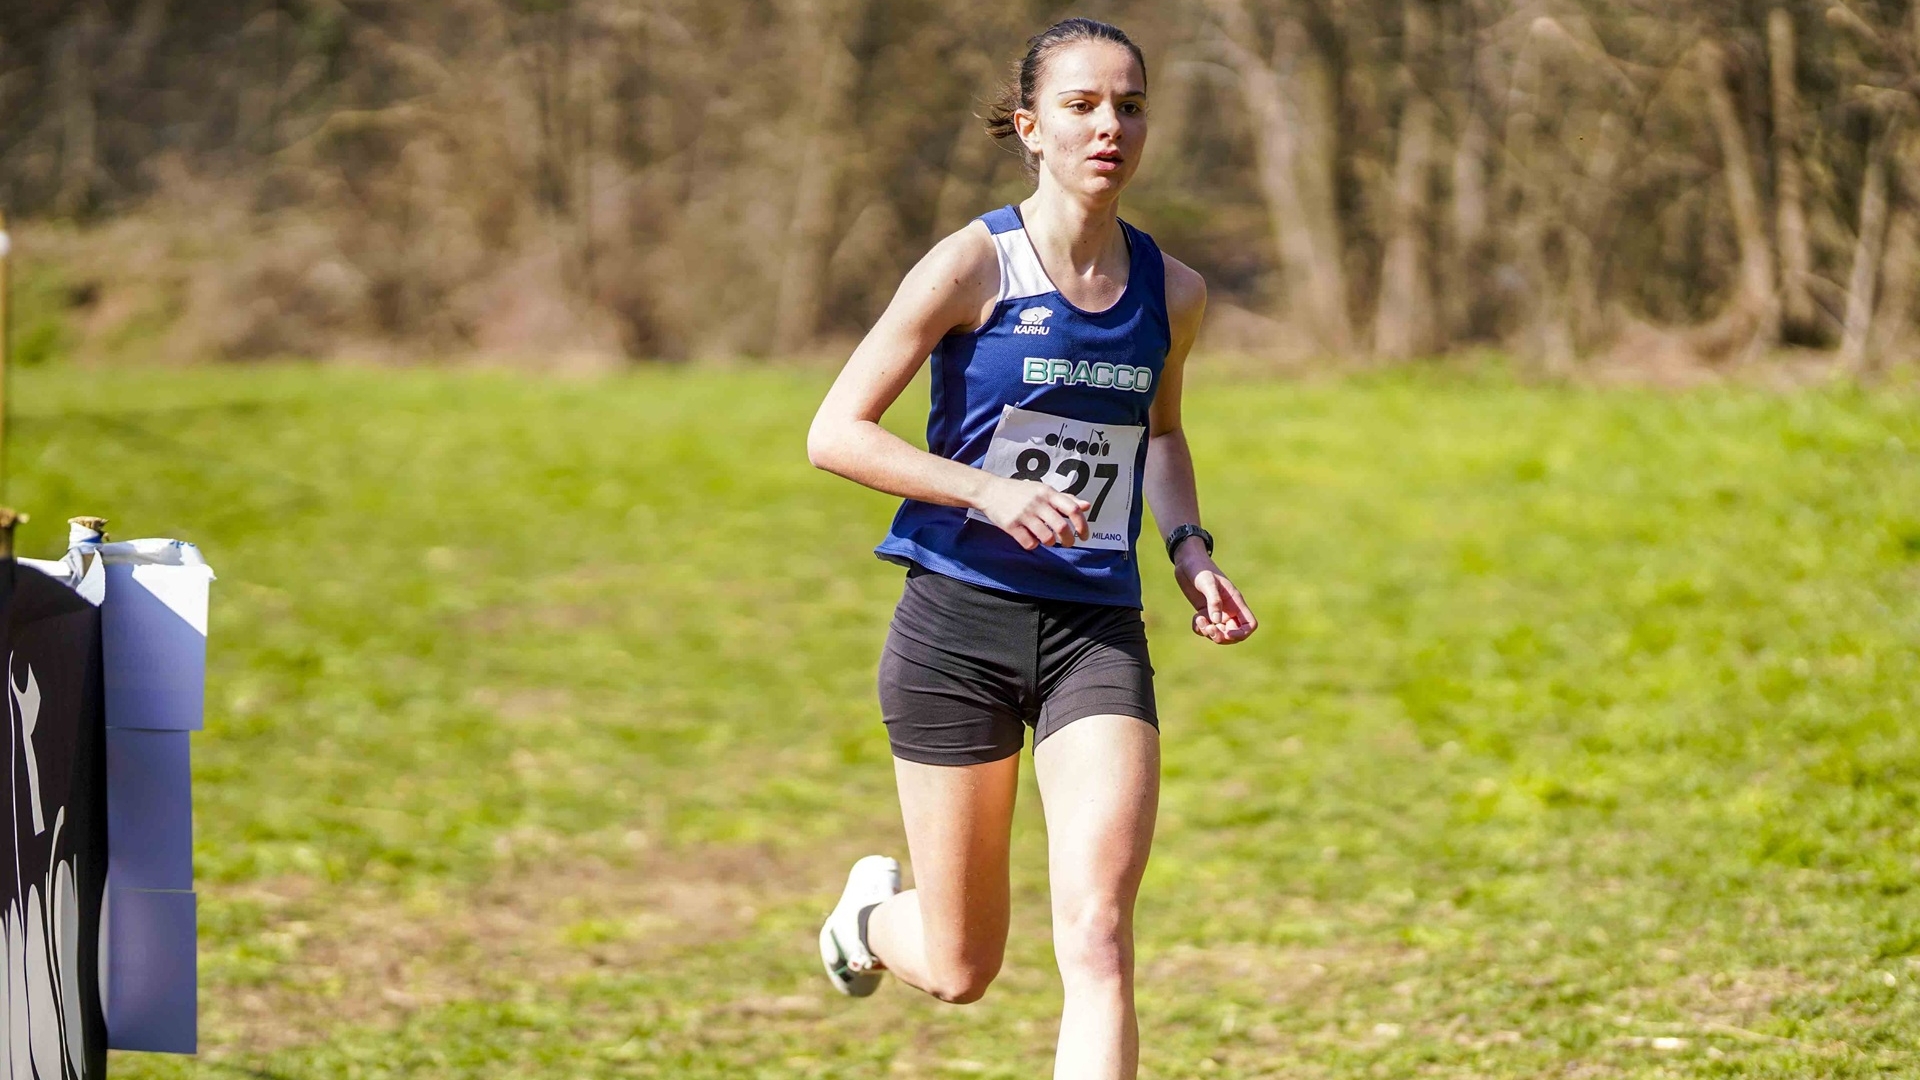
<point x="1034" y="320"/>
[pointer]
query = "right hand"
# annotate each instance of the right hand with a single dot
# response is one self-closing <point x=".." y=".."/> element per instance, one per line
<point x="1035" y="514"/>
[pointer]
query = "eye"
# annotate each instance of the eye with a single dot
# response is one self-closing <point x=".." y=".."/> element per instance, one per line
<point x="1133" y="108"/>
<point x="1080" y="106"/>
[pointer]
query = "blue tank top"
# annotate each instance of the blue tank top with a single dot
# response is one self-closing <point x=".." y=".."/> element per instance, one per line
<point x="1046" y="391"/>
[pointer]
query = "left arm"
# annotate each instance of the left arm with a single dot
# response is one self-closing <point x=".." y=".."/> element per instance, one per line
<point x="1220" y="613"/>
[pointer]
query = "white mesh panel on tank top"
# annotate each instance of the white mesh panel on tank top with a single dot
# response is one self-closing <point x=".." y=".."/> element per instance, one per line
<point x="1020" y="272"/>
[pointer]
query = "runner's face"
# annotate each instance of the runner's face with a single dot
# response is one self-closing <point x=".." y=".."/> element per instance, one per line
<point x="1089" y="119"/>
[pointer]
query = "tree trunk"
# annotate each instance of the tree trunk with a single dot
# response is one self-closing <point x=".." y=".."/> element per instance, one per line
<point x="1546" y="331"/>
<point x="801" y="292"/>
<point x="1797" y="312"/>
<point x="1403" y="322"/>
<point x="1750" y="323"/>
<point x="1866" y="261"/>
<point x="1290" y="102"/>
<point x="1310" y="84"/>
<point x="1899" y="274"/>
<point x="1470" y="216"/>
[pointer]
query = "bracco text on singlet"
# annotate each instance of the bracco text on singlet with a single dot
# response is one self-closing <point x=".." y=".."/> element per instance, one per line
<point x="1039" y="371"/>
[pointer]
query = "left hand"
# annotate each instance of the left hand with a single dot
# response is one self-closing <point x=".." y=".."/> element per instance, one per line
<point x="1220" y="613"/>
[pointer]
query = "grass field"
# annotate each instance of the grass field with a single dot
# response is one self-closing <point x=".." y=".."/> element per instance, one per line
<point x="1579" y="740"/>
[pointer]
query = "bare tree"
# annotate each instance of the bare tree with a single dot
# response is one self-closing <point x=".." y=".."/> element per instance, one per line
<point x="1404" y="319"/>
<point x="1858" y="325"/>
<point x="532" y="177"/>
<point x="1797" y="313"/>
<point x="1288" y="93"/>
<point x="1750" y="321"/>
<point x="822" y="25"/>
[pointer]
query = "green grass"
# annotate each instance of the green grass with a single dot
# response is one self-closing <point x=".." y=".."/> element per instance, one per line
<point x="1578" y="740"/>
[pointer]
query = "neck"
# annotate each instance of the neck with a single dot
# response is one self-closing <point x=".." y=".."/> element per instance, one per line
<point x="1087" y="229"/>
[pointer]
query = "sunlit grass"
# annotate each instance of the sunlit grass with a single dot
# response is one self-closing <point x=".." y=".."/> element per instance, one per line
<point x="1578" y="740"/>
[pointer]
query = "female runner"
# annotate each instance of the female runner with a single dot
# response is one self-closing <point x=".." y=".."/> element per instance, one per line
<point x="1057" y="333"/>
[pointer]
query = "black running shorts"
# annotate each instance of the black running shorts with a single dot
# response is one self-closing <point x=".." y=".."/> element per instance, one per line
<point x="967" y="670"/>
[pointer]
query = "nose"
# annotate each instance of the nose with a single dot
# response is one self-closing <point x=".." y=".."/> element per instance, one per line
<point x="1107" y="122"/>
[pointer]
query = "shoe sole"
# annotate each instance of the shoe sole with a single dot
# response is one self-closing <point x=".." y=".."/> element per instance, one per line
<point x="850" y="983"/>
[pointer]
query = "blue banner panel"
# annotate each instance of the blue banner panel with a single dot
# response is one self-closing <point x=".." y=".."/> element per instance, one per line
<point x="151" y="971"/>
<point x="149" y="810"/>
<point x="154" y="634"/>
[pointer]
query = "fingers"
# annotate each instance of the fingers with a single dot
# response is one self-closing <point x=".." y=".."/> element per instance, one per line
<point x="1075" y="512"/>
<point x="1049" y="518"/>
<point x="1218" y="613"/>
<point x="1205" y="628"/>
<point x="1058" y="527"/>
<point x="1035" y="530"/>
<point x="1058" y="519"/>
<point x="1209" y="586"/>
<point x="1220" y="633"/>
<point x="1242" y="614"/>
<point x="1226" y="617"/>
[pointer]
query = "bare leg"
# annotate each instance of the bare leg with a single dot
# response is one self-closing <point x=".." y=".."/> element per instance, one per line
<point x="948" y="934"/>
<point x="1100" y="786"/>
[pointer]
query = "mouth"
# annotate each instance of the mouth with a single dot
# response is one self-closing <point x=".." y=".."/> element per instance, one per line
<point x="1107" y="160"/>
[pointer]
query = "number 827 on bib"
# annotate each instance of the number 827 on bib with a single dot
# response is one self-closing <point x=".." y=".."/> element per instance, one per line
<point x="1092" y="462"/>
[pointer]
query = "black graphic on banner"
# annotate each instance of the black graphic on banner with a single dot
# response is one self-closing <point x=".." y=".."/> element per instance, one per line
<point x="50" y="904"/>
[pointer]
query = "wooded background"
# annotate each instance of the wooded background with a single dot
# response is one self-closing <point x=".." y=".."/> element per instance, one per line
<point x="1667" y="182"/>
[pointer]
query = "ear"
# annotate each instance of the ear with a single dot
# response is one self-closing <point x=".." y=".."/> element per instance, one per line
<point x="1026" y="124"/>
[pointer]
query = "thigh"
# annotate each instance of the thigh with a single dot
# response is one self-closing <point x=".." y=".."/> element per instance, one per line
<point x="959" y="821"/>
<point x="1100" y="786"/>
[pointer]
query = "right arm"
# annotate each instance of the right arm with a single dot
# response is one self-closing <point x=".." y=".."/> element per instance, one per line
<point x="947" y="290"/>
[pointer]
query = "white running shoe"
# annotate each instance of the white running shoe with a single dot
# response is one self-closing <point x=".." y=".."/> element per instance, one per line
<point x="850" y="967"/>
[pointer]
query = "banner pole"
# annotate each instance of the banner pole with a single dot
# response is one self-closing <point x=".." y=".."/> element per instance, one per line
<point x="7" y="516"/>
<point x="6" y="342"/>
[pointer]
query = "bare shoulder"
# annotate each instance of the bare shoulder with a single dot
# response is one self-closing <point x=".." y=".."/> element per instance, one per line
<point x="958" y="277"/>
<point x="1186" y="296"/>
<point x="967" y="250"/>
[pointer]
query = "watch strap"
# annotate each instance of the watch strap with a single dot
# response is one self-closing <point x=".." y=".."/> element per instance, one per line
<point x="1182" y="533"/>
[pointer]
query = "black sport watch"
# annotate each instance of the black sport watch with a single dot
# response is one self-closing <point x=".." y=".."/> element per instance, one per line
<point x="1179" y="536"/>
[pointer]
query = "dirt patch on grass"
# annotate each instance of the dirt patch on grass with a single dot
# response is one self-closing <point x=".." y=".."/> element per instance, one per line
<point x="1274" y="973"/>
<point x="1741" y="996"/>
<point x="359" y="955"/>
<point x="1734" y="998"/>
<point x="525" y="704"/>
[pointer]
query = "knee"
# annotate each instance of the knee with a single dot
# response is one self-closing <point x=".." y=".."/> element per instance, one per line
<point x="964" y="981"/>
<point x="1095" y="943"/>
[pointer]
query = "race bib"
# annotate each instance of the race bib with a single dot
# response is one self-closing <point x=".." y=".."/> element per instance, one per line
<point x="1092" y="462"/>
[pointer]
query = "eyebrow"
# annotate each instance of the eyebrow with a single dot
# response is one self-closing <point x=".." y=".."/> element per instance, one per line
<point x="1096" y="93"/>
